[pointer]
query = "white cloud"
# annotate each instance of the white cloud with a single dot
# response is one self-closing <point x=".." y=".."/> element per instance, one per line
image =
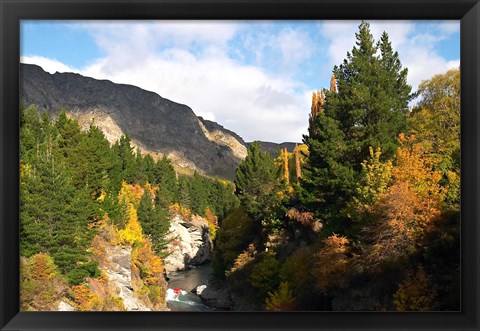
<point x="190" y="63"/>
<point x="243" y="98"/>
<point x="49" y="65"/>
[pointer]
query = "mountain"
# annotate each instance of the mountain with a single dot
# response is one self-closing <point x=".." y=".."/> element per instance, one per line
<point x="273" y="148"/>
<point x="155" y="124"/>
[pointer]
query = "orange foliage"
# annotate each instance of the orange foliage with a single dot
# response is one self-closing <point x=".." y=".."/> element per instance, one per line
<point x="408" y="209"/>
<point x="132" y="193"/>
<point x="41" y="266"/>
<point x="85" y="299"/>
<point x="149" y="265"/>
<point x="243" y="259"/>
<point x="41" y="286"/>
<point x="332" y="264"/>
<point x="305" y="218"/>
<point x="176" y="208"/>
<point x="415" y="293"/>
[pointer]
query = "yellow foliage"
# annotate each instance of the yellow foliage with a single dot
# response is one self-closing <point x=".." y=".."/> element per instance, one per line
<point x="415" y="293"/>
<point x="212" y="223"/>
<point x="376" y="177"/>
<point x="281" y="300"/>
<point x="408" y="209"/>
<point x="413" y="167"/>
<point x="133" y="230"/>
<point x="102" y="196"/>
<point x="25" y="170"/>
<point x="130" y="193"/>
<point x="149" y="265"/>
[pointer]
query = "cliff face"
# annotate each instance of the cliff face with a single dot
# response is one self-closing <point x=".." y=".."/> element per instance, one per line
<point x="157" y="125"/>
<point x="189" y="243"/>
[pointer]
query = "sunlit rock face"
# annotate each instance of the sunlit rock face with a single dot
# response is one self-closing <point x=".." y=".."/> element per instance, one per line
<point x="189" y="243"/>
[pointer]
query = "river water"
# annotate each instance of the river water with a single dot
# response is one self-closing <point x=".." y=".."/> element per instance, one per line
<point x="186" y="281"/>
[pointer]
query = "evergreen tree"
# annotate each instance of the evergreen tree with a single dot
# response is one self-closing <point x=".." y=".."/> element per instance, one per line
<point x="124" y="151"/>
<point x="199" y="190"/>
<point x="54" y="215"/>
<point x="183" y="195"/>
<point x="155" y="221"/>
<point x="255" y="181"/>
<point x="69" y="134"/>
<point x="149" y="165"/>
<point x="165" y="177"/>
<point x="91" y="162"/>
<point x="366" y="107"/>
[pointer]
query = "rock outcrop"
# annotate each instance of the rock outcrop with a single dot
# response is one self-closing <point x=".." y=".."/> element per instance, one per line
<point x="120" y="274"/>
<point x="190" y="243"/>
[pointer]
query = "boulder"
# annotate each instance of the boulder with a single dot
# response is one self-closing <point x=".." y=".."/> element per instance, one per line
<point x="216" y="295"/>
<point x="199" y="290"/>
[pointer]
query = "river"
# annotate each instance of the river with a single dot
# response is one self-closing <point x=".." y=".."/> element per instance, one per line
<point x="186" y="281"/>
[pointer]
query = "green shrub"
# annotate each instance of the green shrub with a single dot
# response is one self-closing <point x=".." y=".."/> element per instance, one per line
<point x="233" y="236"/>
<point x="78" y="275"/>
<point x="265" y="274"/>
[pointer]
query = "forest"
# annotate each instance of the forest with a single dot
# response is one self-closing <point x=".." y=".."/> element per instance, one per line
<point x="363" y="215"/>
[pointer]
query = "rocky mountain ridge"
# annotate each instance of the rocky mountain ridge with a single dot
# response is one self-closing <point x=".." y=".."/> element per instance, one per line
<point x="156" y="125"/>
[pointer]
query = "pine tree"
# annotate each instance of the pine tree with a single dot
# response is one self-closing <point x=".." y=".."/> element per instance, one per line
<point x="365" y="107"/>
<point x="199" y="192"/>
<point x="154" y="220"/>
<point x="54" y="215"/>
<point x="165" y="177"/>
<point x="124" y="150"/>
<point x="256" y="180"/>
<point x="91" y="162"/>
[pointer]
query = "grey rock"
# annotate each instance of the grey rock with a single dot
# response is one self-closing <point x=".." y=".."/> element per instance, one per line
<point x="217" y="295"/>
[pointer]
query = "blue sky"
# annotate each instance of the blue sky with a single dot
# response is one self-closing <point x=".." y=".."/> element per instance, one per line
<point x="253" y="77"/>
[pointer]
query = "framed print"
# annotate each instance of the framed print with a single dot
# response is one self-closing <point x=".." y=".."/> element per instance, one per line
<point x="239" y="165"/>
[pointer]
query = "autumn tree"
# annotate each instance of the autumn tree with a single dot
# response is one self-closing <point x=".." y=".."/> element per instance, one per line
<point x="41" y="285"/>
<point x="407" y="210"/>
<point x="435" y="121"/>
<point x="416" y="292"/>
<point x="332" y="264"/>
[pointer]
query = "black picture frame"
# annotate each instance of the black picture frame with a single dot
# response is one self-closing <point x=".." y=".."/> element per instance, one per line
<point x="12" y="11"/>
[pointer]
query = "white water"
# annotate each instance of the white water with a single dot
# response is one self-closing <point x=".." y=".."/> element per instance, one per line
<point x="186" y="281"/>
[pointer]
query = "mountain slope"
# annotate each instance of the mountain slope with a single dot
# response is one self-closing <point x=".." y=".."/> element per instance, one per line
<point x="157" y="125"/>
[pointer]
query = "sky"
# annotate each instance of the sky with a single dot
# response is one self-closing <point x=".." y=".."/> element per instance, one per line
<point x="255" y="78"/>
